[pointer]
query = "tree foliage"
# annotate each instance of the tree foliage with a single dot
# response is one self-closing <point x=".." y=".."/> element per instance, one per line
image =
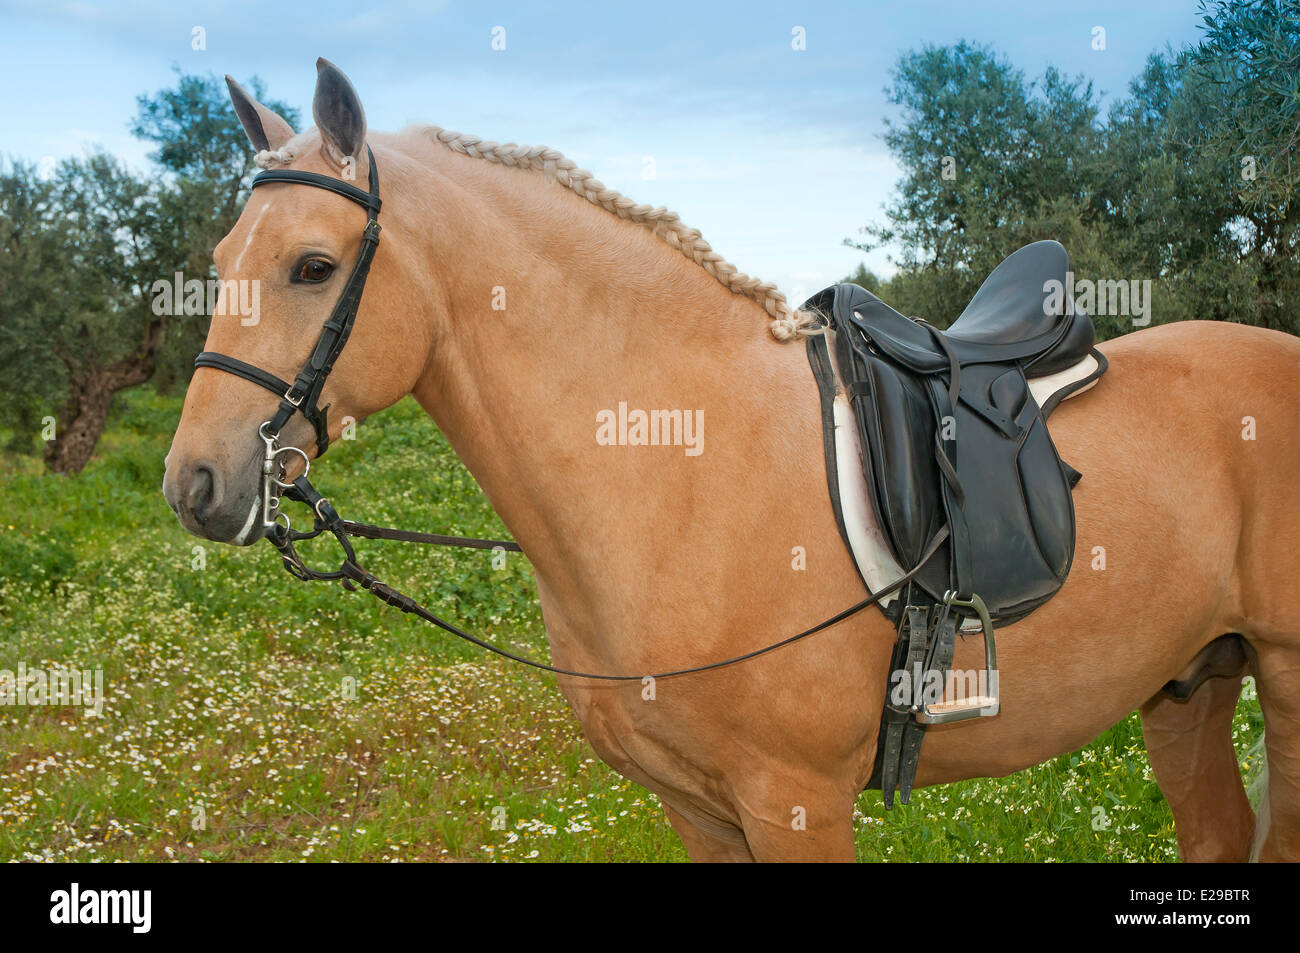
<point x="1189" y="180"/>
<point x="80" y="252"/>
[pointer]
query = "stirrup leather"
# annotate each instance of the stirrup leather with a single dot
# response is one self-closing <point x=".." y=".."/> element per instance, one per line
<point x="918" y="687"/>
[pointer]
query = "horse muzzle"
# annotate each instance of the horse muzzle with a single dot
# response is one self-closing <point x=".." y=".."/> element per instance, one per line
<point x="215" y="504"/>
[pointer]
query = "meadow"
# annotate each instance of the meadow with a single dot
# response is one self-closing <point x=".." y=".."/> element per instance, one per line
<point x="251" y="717"/>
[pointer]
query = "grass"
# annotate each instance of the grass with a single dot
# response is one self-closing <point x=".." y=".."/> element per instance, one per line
<point x="250" y="717"/>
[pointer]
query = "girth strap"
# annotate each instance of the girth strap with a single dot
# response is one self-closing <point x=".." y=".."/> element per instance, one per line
<point x="896" y="740"/>
<point x="938" y="659"/>
<point x="923" y="651"/>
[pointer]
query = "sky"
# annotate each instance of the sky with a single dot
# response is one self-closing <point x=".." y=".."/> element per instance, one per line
<point x="775" y="153"/>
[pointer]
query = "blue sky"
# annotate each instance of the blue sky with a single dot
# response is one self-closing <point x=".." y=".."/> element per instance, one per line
<point x="774" y="154"/>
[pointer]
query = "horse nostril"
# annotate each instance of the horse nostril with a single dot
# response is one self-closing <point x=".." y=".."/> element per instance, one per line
<point x="203" y="495"/>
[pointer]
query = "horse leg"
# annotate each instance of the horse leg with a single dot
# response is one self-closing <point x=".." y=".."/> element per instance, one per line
<point x="1189" y="743"/>
<point x="798" y="826"/>
<point x="1279" y="699"/>
<point x="708" y="841"/>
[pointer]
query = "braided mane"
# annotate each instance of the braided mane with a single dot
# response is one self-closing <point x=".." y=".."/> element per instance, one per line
<point x="787" y="322"/>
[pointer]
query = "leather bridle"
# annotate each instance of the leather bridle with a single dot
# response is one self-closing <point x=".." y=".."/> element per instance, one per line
<point x="303" y="396"/>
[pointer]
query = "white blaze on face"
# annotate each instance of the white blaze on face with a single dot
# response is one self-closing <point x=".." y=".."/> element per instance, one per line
<point x="251" y="232"/>
<point x="248" y="523"/>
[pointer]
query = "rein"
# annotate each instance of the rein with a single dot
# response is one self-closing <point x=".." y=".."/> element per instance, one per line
<point x="352" y="575"/>
<point x="302" y="396"/>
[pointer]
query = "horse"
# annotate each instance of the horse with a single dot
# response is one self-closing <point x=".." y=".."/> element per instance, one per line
<point x="522" y="303"/>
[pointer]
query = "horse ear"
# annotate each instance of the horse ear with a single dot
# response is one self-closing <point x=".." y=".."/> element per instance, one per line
<point x="265" y="128"/>
<point x="338" y="113"/>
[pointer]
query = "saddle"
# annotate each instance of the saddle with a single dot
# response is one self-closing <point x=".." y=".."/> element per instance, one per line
<point x="966" y="484"/>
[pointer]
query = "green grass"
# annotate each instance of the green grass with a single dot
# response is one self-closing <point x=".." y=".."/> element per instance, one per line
<point x="250" y="717"/>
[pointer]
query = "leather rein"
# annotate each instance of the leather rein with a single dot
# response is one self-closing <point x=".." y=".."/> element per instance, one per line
<point x="302" y="397"/>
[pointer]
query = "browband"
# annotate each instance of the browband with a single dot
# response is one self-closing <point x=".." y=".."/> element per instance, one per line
<point x="369" y="200"/>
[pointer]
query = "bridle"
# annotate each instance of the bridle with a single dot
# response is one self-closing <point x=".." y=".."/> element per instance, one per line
<point x="303" y="396"/>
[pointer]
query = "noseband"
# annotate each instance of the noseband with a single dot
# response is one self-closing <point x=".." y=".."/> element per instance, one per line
<point x="302" y="397"/>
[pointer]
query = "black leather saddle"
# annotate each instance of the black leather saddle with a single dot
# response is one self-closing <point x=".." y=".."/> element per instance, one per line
<point x="967" y="487"/>
<point x="955" y="438"/>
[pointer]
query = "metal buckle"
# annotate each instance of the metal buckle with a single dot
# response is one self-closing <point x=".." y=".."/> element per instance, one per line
<point x="982" y="705"/>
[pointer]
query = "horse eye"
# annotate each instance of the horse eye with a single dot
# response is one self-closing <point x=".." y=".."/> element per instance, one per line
<point x="316" y="269"/>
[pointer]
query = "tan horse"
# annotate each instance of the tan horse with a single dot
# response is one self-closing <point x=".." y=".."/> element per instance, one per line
<point x="516" y="310"/>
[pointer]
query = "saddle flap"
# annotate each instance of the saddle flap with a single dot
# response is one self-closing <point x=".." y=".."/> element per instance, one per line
<point x="1019" y="513"/>
<point x="898" y="426"/>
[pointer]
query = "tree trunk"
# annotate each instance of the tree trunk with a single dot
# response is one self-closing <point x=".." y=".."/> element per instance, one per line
<point x="80" y="423"/>
<point x="82" y="419"/>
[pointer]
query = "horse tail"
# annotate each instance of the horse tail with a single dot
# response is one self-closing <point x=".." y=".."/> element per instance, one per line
<point x="1257" y="791"/>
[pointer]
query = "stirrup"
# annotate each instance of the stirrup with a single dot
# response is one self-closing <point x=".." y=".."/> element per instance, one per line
<point x="981" y="706"/>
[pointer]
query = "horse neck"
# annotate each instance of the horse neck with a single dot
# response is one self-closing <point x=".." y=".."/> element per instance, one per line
<point x="553" y="310"/>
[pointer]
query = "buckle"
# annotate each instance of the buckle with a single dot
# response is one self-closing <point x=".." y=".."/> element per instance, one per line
<point x="987" y="702"/>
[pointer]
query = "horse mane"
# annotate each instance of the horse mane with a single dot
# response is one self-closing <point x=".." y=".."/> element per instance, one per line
<point x="787" y="322"/>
